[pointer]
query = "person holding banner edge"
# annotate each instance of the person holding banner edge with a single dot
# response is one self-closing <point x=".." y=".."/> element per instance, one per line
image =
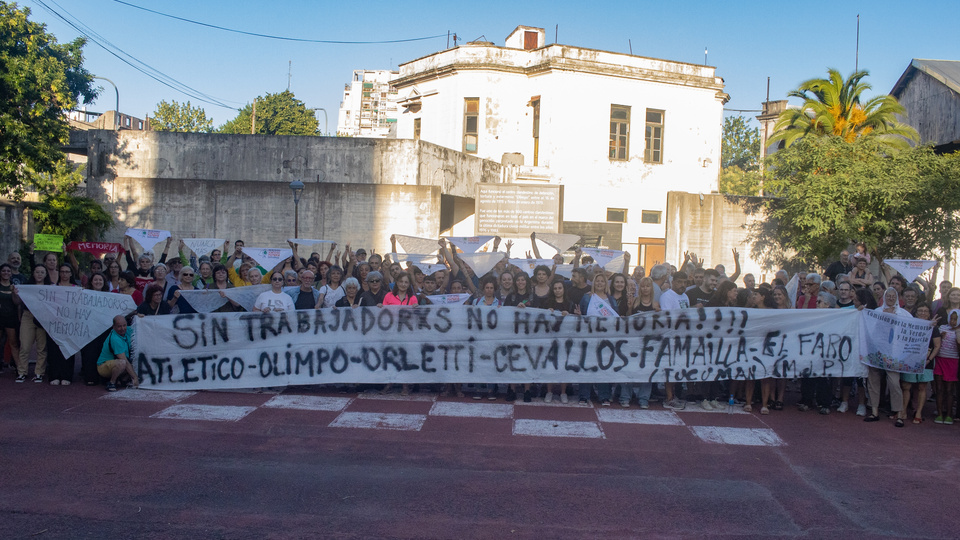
<point x="114" y="357"/>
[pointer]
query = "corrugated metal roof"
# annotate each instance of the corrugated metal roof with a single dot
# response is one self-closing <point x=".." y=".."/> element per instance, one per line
<point x="945" y="71"/>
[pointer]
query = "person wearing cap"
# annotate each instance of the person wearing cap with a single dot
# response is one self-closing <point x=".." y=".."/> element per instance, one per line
<point x="304" y="295"/>
<point x="376" y="292"/>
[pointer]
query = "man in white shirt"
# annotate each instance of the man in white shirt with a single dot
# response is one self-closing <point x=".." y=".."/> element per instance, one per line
<point x="674" y="298"/>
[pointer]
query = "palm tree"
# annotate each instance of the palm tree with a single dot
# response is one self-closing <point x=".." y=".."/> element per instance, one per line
<point x="833" y="107"/>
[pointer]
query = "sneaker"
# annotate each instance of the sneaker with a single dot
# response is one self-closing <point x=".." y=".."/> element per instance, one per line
<point x="606" y="403"/>
<point x="705" y="405"/>
<point x="564" y="398"/>
<point x="803" y="407"/>
<point x="548" y="398"/>
<point x="527" y="398"/>
<point x="625" y="404"/>
<point x="948" y="420"/>
<point x="21" y="378"/>
<point x="862" y="410"/>
<point x="111" y="387"/>
<point x="843" y="407"/>
<point x="938" y="420"/>
<point x="644" y="405"/>
<point x="55" y="382"/>
<point x="38" y="379"/>
<point x="64" y="383"/>
<point x="824" y="410"/>
<point x="715" y="404"/>
<point x="584" y="402"/>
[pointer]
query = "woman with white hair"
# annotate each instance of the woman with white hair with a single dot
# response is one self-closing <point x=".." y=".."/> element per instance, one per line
<point x="891" y="304"/>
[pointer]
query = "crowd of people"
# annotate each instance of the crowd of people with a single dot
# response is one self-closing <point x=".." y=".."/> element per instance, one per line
<point x="351" y="278"/>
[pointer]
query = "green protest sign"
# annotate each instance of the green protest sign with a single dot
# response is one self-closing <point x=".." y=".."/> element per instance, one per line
<point x="48" y="242"/>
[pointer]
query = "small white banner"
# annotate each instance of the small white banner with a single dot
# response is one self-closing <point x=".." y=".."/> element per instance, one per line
<point x="73" y="316"/>
<point x="413" y="257"/>
<point x="470" y="244"/>
<point x="449" y="299"/>
<point x="565" y="270"/>
<point x="203" y="246"/>
<point x="894" y="343"/>
<point x="529" y="265"/>
<point x="910" y="269"/>
<point x="208" y="300"/>
<point x="414" y="244"/>
<point x="559" y="242"/>
<point x="148" y="238"/>
<point x="610" y="259"/>
<point x="481" y="263"/>
<point x="429" y="268"/>
<point x="268" y="257"/>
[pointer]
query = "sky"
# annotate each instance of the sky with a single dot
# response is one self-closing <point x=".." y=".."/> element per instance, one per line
<point x="746" y="41"/>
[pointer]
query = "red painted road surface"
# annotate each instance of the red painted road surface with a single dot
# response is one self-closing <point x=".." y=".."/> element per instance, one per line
<point x="81" y="463"/>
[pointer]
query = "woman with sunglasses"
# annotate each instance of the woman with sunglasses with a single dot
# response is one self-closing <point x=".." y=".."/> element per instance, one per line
<point x="274" y="299"/>
<point x="59" y="367"/>
<point x="178" y="304"/>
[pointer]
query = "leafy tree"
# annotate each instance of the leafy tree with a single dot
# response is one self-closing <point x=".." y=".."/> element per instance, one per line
<point x="740" y="146"/>
<point x="277" y="114"/>
<point x="736" y="181"/>
<point x="834" y="107"/>
<point x="175" y="116"/>
<point x="39" y="79"/>
<point x="831" y="192"/>
<point x="62" y="210"/>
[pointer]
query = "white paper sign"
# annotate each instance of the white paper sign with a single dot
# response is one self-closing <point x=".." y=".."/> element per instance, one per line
<point x="73" y="316"/>
<point x="148" y="238"/>
<point x="203" y="246"/>
<point x="470" y="244"/>
<point x="559" y="242"/>
<point x="793" y="289"/>
<point x="481" y="263"/>
<point x="910" y="269"/>
<point x="610" y="259"/>
<point x="435" y="344"/>
<point x="268" y="257"/>
<point x="208" y="300"/>
<point x="449" y="299"/>
<point x="414" y="244"/>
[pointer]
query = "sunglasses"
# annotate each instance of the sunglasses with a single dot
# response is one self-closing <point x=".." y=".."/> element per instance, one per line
<point x="373" y="281"/>
<point x="187" y="274"/>
<point x="276" y="279"/>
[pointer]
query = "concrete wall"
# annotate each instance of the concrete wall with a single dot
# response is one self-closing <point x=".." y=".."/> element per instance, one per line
<point x="11" y="228"/>
<point x="577" y="88"/>
<point x="711" y="230"/>
<point x="228" y="186"/>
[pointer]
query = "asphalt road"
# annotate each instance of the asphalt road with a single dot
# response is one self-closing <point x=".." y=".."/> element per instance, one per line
<point x="81" y="463"/>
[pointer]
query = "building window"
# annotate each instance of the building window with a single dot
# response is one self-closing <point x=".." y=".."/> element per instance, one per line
<point x="617" y="215"/>
<point x="471" y="124"/>
<point x="140" y="125"/>
<point x="416" y="129"/>
<point x="650" y="216"/>
<point x="653" y="153"/>
<point x="619" y="132"/>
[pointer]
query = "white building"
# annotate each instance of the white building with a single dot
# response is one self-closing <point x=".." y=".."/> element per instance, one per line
<point x="617" y="131"/>
<point x="369" y="107"/>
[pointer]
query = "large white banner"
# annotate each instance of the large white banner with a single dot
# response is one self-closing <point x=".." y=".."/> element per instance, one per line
<point x="432" y="344"/>
<point x="147" y="238"/>
<point x="73" y="316"/>
<point x="470" y="244"/>
<point x="207" y="300"/>
<point x="610" y="259"/>
<point x="203" y="246"/>
<point x="268" y="258"/>
<point x="894" y="343"/>
<point x="910" y="269"/>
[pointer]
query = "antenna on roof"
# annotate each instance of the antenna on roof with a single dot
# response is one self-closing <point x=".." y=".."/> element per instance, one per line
<point x="631" y="46"/>
<point x="856" y="62"/>
<point x="704" y="55"/>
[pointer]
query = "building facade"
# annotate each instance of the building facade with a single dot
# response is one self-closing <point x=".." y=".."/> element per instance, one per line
<point x="617" y="131"/>
<point x="929" y="90"/>
<point x="369" y="107"/>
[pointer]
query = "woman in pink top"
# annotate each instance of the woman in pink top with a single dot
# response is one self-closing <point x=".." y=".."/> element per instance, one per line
<point x="401" y="295"/>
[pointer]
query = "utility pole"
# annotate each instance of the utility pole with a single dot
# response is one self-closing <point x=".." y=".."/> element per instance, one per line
<point x="289" y="73"/>
<point x="253" y="118"/>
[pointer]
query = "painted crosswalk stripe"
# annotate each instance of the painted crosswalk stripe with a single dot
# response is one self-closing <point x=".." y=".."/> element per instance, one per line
<point x="557" y="428"/>
<point x="215" y="413"/>
<point x="373" y="420"/>
<point x="724" y="409"/>
<point x="660" y="418"/>
<point x="147" y="395"/>
<point x="472" y="410"/>
<point x="395" y="396"/>
<point x="737" y="436"/>
<point x="308" y="403"/>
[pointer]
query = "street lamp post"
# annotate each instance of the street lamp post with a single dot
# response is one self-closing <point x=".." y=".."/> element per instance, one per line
<point x="116" y="116"/>
<point x="297" y="187"/>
